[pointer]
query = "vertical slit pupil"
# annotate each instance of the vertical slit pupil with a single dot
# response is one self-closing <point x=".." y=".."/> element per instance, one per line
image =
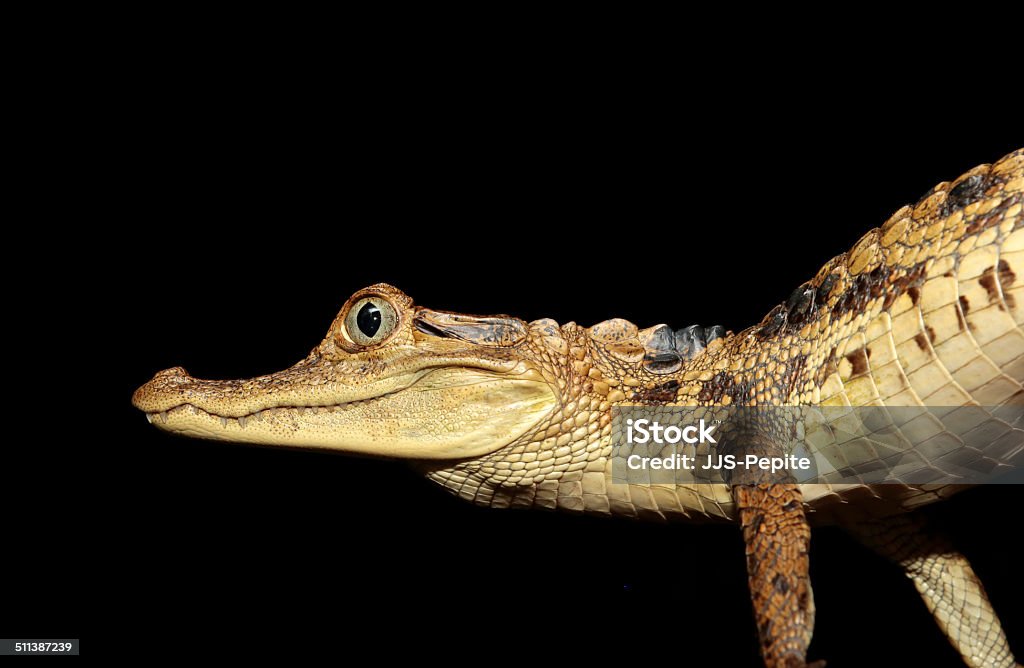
<point x="368" y="319"/>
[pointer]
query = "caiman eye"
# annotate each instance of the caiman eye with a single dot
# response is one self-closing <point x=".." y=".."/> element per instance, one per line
<point x="370" y="321"/>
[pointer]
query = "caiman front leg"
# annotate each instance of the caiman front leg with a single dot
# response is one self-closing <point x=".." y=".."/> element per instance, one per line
<point x="778" y="538"/>
<point x="778" y="541"/>
<point x="944" y="578"/>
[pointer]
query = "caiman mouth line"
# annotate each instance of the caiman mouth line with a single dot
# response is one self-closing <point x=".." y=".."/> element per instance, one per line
<point x="276" y="412"/>
<point x="414" y="380"/>
<point x="295" y="410"/>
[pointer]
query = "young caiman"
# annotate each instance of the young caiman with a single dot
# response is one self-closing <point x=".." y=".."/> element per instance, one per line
<point x="924" y="311"/>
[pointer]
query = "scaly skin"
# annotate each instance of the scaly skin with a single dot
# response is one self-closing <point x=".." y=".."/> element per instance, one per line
<point x="924" y="311"/>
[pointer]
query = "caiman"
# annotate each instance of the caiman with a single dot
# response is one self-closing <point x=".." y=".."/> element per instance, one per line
<point x="925" y="310"/>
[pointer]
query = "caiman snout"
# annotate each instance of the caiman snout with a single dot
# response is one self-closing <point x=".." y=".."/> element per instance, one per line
<point x="159" y="393"/>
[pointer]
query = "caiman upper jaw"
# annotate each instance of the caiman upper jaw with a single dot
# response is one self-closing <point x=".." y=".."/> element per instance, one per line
<point x="430" y="412"/>
<point x="390" y="389"/>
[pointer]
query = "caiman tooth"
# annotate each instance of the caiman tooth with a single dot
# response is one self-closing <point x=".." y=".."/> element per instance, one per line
<point x="163" y="416"/>
<point x="149" y="418"/>
<point x="224" y="422"/>
<point x="242" y="421"/>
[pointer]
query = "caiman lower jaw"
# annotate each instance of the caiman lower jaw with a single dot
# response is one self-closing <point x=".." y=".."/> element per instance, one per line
<point x="444" y="413"/>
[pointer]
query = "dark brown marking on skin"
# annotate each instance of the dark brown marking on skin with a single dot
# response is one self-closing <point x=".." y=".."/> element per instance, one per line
<point x="794" y="372"/>
<point x="1006" y="279"/>
<point x="998" y="294"/>
<point x="800" y="305"/>
<point x="755" y="524"/>
<point x="858" y="359"/>
<point x="825" y="289"/>
<point x="724" y="383"/>
<point x="827" y="368"/>
<point x="966" y="192"/>
<point x="659" y="394"/>
<point x="931" y="333"/>
<point x="948" y="274"/>
<point x="988" y="282"/>
<point x="774" y="322"/>
<point x="961" y="312"/>
<point x="910" y="283"/>
<point x="716" y="388"/>
<point x="880" y="282"/>
<point x="877" y="283"/>
<point x="995" y="216"/>
<point x="863" y="289"/>
<point x="921" y="341"/>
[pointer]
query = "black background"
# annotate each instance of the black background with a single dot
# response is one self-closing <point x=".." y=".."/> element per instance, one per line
<point x="241" y="202"/>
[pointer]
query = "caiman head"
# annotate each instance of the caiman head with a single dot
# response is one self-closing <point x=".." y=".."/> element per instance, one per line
<point x="390" y="379"/>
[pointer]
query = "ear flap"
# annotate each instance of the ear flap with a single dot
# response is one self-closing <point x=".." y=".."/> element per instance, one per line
<point x="495" y="330"/>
